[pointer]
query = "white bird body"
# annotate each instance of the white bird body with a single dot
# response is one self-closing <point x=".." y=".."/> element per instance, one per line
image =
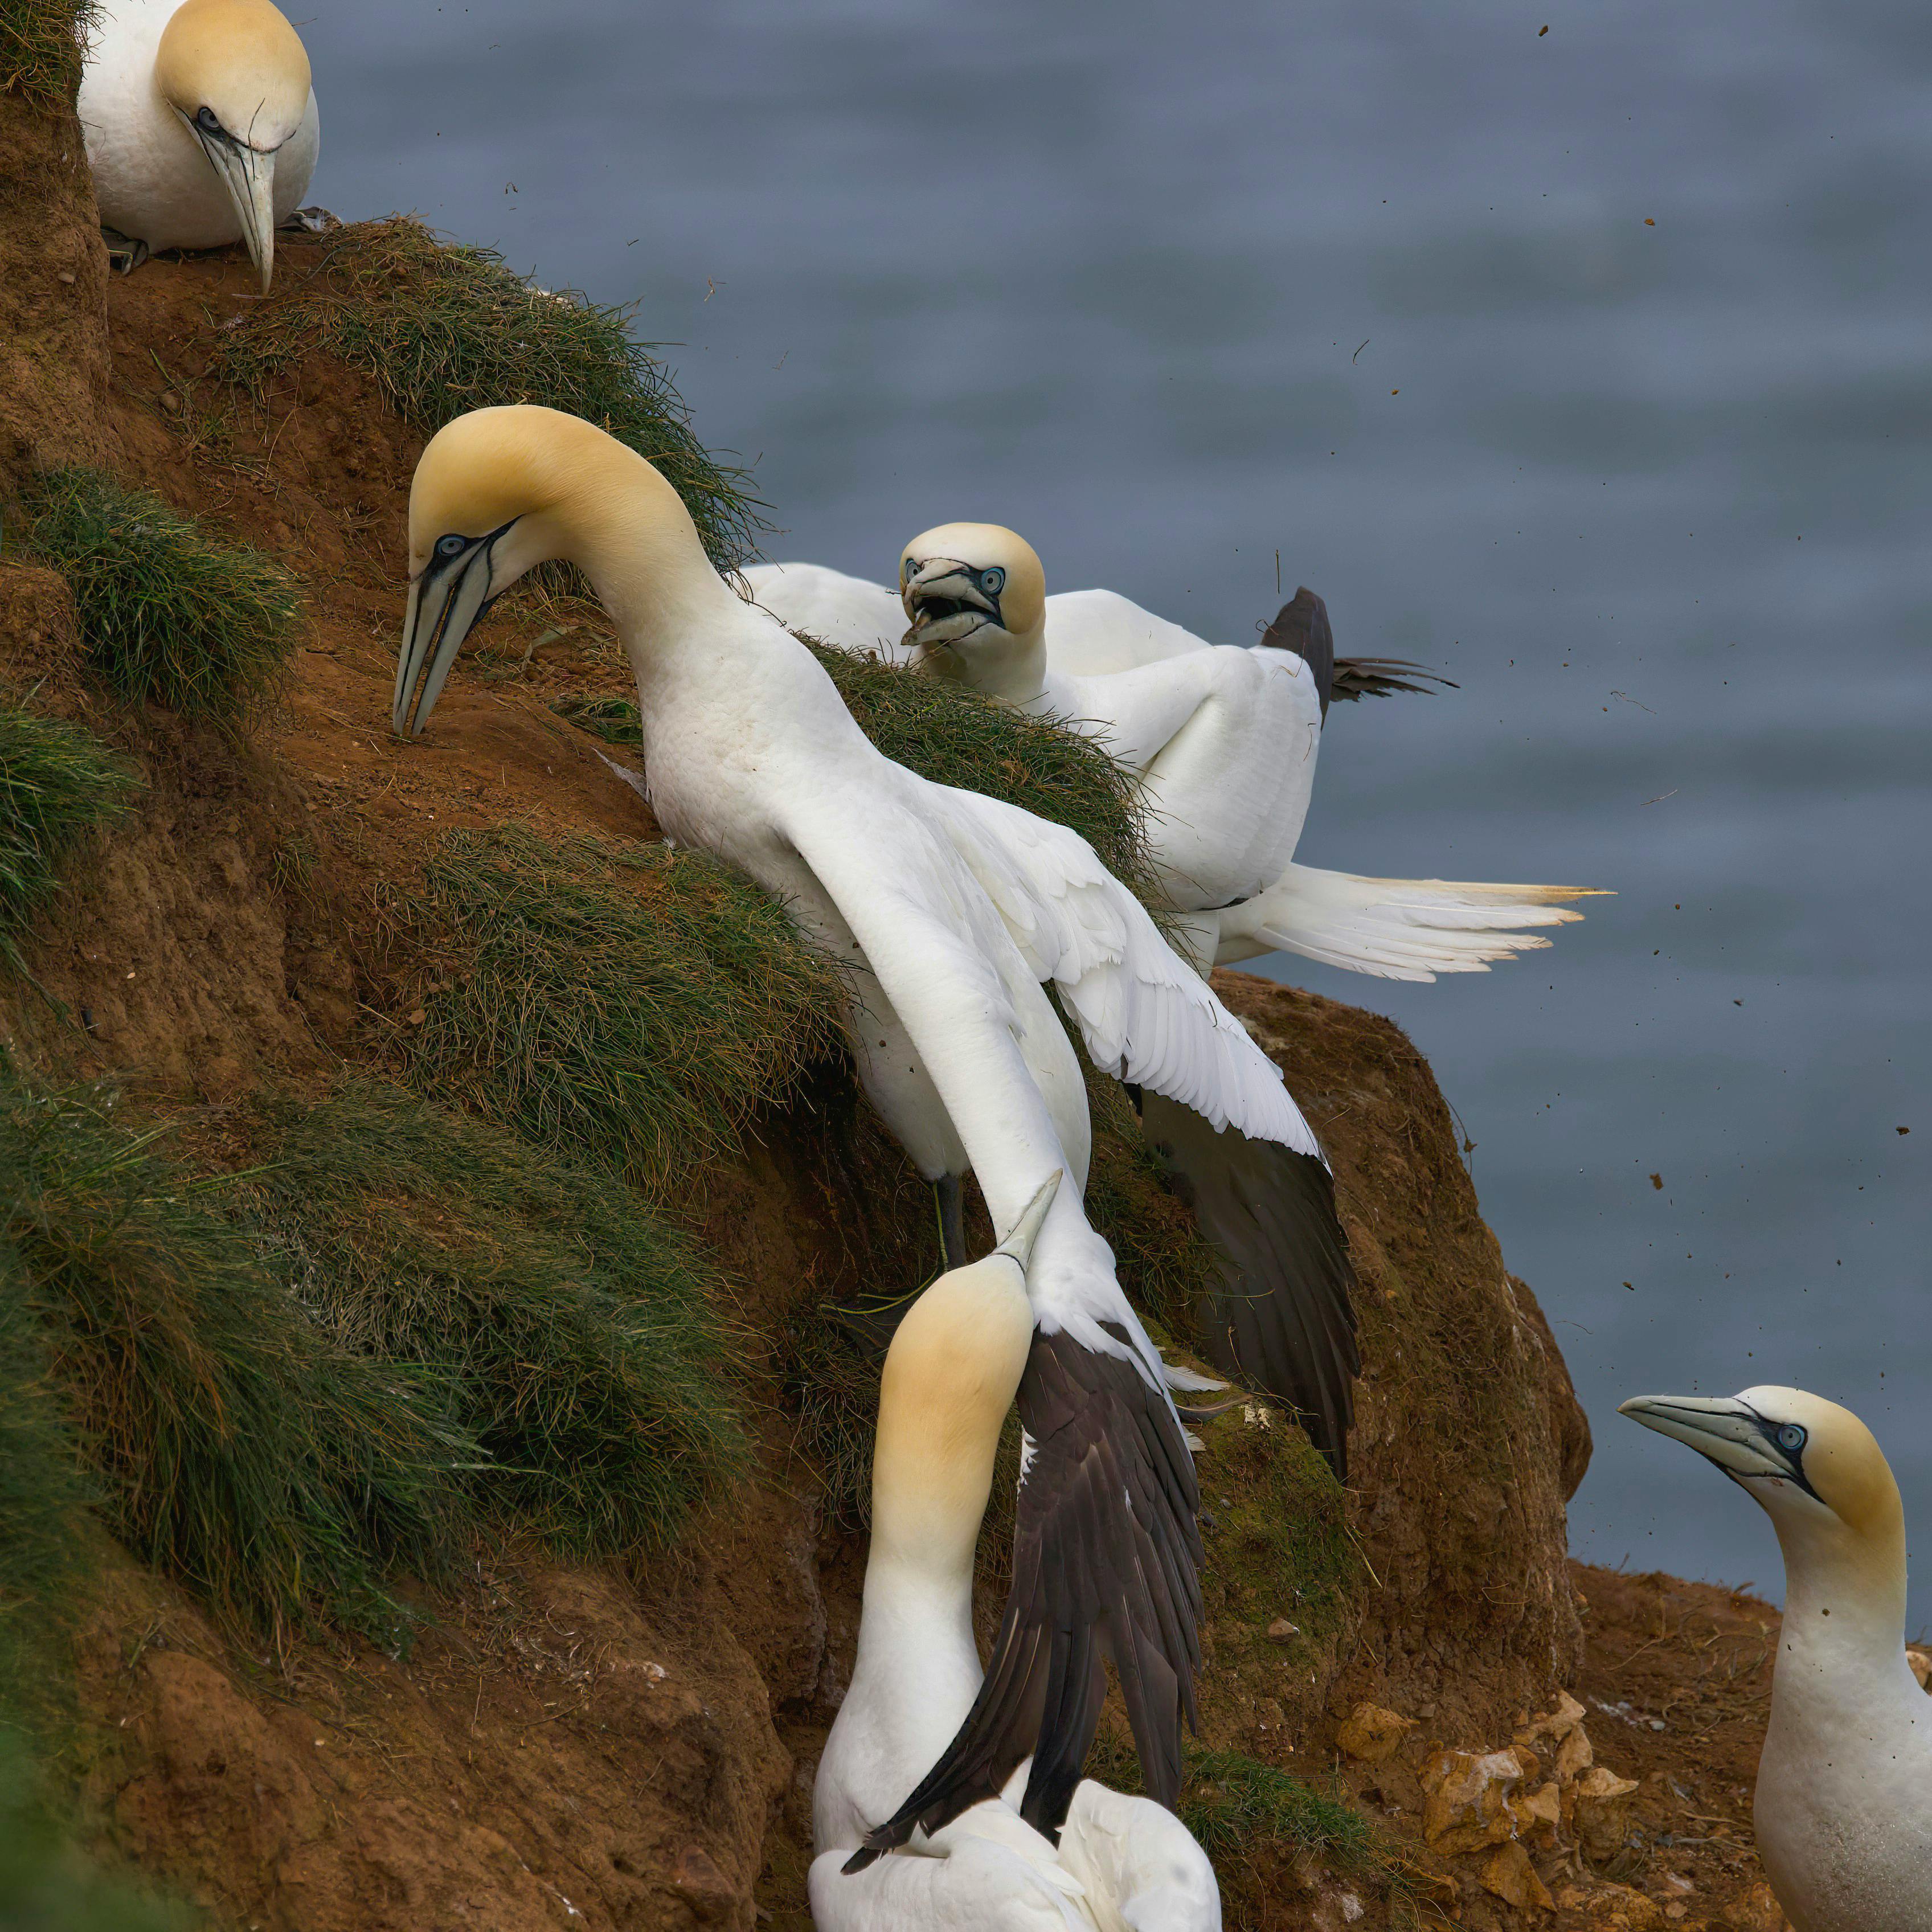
<point x="1843" y="1805"/>
<point x="1088" y="632"/>
<point x="1223" y="739"/>
<point x="947" y="1386"/>
<point x="956" y="908"/>
<point x="154" y="179"/>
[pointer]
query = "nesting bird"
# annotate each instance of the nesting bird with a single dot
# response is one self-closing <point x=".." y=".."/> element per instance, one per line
<point x="201" y="125"/>
<point x="953" y="909"/>
<point x="950" y="1376"/>
<point x="1844" y="1808"/>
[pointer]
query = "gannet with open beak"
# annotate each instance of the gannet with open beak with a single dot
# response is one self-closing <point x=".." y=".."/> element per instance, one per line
<point x="1224" y="742"/>
<point x="955" y="907"/>
<point x="200" y="123"/>
<point x="955" y="1366"/>
<point x="1844" y="1808"/>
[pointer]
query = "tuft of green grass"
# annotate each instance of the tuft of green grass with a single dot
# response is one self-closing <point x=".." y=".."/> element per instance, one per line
<point x="954" y="736"/>
<point x="445" y="328"/>
<point x="168" y="615"/>
<point x="1236" y="1806"/>
<point x="43" y="1495"/>
<point x="58" y="782"/>
<point x="574" y="1337"/>
<point x="632" y="1005"/>
<point x="42" y="44"/>
<point x="617" y="720"/>
<point x="234" y="1443"/>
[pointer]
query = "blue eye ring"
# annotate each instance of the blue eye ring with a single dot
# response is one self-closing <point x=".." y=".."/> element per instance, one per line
<point x="452" y="545"/>
<point x="909" y="569"/>
<point x="993" y="581"/>
<point x="1791" y="1437"/>
<point x="209" y="121"/>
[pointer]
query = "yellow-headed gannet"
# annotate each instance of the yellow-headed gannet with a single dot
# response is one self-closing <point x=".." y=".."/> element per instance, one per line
<point x="955" y="908"/>
<point x="1223" y="741"/>
<point x="949" y="1379"/>
<point x="200" y="123"/>
<point x="1844" y="1787"/>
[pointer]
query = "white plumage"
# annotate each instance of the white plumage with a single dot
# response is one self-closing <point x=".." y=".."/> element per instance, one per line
<point x="1843" y="1806"/>
<point x="200" y="123"/>
<point x="953" y="909"/>
<point x="1224" y="740"/>
<point x="948" y="1382"/>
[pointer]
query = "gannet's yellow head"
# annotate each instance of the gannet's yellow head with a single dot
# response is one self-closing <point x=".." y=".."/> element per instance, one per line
<point x="237" y="73"/>
<point x="950" y="1378"/>
<point x="976" y="597"/>
<point x="1805" y="1460"/>
<point x="500" y="491"/>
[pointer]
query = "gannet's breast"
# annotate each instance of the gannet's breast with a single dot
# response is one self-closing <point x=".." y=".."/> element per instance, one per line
<point x="150" y="178"/>
<point x="1844" y="1809"/>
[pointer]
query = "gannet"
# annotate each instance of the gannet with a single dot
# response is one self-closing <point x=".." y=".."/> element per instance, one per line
<point x="200" y="123"/>
<point x="1843" y="1806"/>
<point x="1223" y="741"/>
<point x="954" y="908"/>
<point x="955" y="1366"/>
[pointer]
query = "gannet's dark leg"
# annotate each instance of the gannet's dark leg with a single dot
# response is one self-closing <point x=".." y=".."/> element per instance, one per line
<point x="948" y="1197"/>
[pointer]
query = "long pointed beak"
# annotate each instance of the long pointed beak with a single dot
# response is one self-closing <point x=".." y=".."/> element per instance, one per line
<point x="443" y="606"/>
<point x="1017" y="1246"/>
<point x="1719" y="1427"/>
<point x="249" y="176"/>
<point x="943" y="582"/>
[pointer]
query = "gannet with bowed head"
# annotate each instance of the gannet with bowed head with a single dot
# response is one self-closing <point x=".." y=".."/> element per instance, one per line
<point x="949" y="1379"/>
<point x="957" y="908"/>
<point x="200" y="123"/>
<point x="1844" y="1788"/>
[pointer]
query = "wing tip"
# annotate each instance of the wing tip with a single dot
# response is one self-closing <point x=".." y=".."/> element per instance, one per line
<point x="867" y="1854"/>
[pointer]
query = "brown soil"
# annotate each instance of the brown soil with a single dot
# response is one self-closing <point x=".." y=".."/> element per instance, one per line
<point x="527" y="1765"/>
<point x="53" y="289"/>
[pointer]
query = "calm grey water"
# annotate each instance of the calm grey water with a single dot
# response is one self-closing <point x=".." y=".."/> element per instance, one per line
<point x="1171" y="287"/>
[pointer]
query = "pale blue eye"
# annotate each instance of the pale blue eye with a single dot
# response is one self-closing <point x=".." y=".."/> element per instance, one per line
<point x="993" y="581"/>
<point x="452" y="546"/>
<point x="1791" y="1439"/>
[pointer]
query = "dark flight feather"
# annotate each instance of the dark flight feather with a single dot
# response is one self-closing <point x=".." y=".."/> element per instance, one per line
<point x="1301" y="625"/>
<point x="1281" y="1316"/>
<point x="1106" y="1567"/>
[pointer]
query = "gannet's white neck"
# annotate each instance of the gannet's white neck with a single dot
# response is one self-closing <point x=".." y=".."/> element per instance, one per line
<point x="1845" y="1593"/>
<point x="947" y="1386"/>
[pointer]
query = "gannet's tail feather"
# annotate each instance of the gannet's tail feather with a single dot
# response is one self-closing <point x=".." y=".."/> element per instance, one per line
<point x="1394" y="928"/>
<point x="1144" y="1014"/>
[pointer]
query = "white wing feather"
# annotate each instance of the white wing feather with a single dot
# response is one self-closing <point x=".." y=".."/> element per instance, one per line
<point x="1145" y="1015"/>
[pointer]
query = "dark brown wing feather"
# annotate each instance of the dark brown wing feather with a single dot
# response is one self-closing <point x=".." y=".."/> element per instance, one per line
<point x="1301" y="625"/>
<point x="1282" y="1317"/>
<point x="1106" y="1567"/>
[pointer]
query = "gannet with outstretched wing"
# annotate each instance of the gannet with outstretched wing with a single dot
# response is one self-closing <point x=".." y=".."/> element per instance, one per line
<point x="1224" y="742"/>
<point x="200" y="123"/>
<point x="955" y="1366"/>
<point x="956" y="908"/>
<point x="1843" y="1806"/>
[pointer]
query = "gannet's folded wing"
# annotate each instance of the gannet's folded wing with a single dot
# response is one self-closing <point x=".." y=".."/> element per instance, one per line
<point x="1090" y="1582"/>
<point x="1395" y="929"/>
<point x="847" y="612"/>
<point x="1145" y="1015"/>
